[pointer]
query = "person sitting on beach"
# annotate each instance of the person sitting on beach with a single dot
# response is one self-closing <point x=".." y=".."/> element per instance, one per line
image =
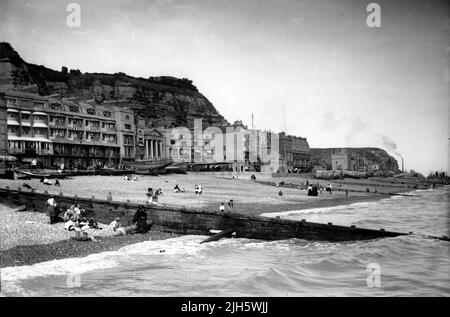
<point x="280" y="193"/>
<point x="196" y="189"/>
<point x="231" y="204"/>
<point x="46" y="181"/>
<point x="80" y="229"/>
<point x="69" y="225"/>
<point x="93" y="224"/>
<point x="76" y="210"/>
<point x="57" y="182"/>
<point x="27" y="186"/>
<point x="115" y="224"/>
<point x="140" y="220"/>
<point x="69" y="214"/>
<point x="176" y="189"/>
<point x="84" y="223"/>
<point x="200" y="189"/>
<point x="222" y="207"/>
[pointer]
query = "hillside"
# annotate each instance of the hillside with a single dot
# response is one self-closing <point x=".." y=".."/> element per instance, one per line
<point x="374" y="155"/>
<point x="162" y="100"/>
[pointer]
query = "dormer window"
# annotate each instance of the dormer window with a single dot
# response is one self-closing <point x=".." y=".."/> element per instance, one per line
<point x="74" y="109"/>
<point x="10" y="102"/>
<point x="91" y="112"/>
<point x="127" y="117"/>
<point x="107" y="113"/>
<point x="55" y="106"/>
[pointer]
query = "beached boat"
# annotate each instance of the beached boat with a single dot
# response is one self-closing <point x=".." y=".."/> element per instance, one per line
<point x="201" y="222"/>
<point x="176" y="168"/>
<point x="40" y="175"/>
<point x="64" y="174"/>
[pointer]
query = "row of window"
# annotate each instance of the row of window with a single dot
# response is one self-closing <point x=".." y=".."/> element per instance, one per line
<point x="25" y="117"/>
<point x="55" y="106"/>
<point x="23" y="102"/>
<point x="26" y="130"/>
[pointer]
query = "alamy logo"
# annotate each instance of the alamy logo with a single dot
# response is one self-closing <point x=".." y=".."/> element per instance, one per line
<point x="374" y="18"/>
<point x="73" y="280"/>
<point x="374" y="277"/>
<point x="74" y="18"/>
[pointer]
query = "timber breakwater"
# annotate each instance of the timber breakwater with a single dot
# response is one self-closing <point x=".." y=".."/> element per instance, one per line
<point x="191" y="221"/>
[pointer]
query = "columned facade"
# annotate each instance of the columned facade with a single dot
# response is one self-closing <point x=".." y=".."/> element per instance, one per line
<point x="154" y="145"/>
<point x="154" y="149"/>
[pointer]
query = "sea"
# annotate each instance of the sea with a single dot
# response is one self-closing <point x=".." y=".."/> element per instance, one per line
<point x="413" y="265"/>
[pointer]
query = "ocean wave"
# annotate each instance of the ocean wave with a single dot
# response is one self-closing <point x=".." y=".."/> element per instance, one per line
<point x="187" y="245"/>
<point x="319" y="209"/>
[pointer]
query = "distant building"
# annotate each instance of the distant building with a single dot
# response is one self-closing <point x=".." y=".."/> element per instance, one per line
<point x="341" y="160"/>
<point x="3" y="133"/>
<point x="126" y="129"/>
<point x="59" y="133"/>
<point x="294" y="154"/>
<point x="373" y="168"/>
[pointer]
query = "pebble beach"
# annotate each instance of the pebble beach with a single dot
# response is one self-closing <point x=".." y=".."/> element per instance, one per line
<point x="28" y="237"/>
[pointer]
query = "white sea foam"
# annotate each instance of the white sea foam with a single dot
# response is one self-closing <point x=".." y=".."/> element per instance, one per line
<point x="188" y="245"/>
<point x="319" y="210"/>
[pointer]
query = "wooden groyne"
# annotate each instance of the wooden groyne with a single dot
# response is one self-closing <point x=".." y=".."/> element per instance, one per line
<point x="190" y="221"/>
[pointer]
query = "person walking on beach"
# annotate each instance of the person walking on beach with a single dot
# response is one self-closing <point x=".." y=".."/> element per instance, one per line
<point x="346" y="193"/>
<point x="150" y="195"/>
<point x="222" y="207"/>
<point x="51" y="210"/>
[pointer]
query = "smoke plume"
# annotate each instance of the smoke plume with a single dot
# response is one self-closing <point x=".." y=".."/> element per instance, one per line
<point x="390" y="145"/>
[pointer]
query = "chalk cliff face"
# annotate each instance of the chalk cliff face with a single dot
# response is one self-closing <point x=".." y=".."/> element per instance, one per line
<point x="373" y="155"/>
<point x="161" y="100"/>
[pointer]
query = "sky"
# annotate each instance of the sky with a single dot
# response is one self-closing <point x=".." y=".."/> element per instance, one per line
<point x="312" y="68"/>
